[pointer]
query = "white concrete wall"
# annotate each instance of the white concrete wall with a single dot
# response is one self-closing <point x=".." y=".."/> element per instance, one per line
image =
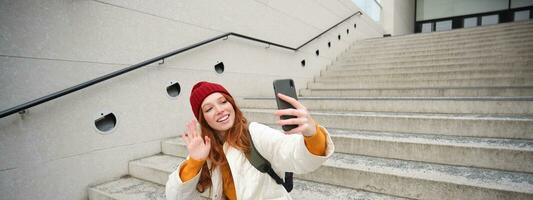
<point x="398" y="16"/>
<point x="387" y="15"/>
<point x="55" y="152"/>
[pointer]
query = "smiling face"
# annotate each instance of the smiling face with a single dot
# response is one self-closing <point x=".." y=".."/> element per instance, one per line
<point x="218" y="112"/>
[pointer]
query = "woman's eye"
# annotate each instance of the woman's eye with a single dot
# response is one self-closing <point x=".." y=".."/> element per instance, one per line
<point x="224" y="101"/>
<point x="209" y="109"/>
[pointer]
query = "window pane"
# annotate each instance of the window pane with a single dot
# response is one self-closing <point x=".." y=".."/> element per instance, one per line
<point x="375" y="11"/>
<point x="521" y="15"/>
<point x="470" y="22"/>
<point x="443" y="25"/>
<point x="370" y="7"/>
<point x="426" y="27"/>
<point x="489" y="20"/>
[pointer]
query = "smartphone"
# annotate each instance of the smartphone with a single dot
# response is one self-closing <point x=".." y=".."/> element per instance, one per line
<point x="286" y="87"/>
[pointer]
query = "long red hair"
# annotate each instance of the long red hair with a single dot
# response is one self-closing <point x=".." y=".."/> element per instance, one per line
<point x="237" y="137"/>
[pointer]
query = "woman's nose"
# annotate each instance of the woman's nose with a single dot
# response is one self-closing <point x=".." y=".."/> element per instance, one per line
<point x="218" y="109"/>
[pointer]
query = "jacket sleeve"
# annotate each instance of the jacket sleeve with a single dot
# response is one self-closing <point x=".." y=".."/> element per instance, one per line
<point x="287" y="152"/>
<point x="175" y="189"/>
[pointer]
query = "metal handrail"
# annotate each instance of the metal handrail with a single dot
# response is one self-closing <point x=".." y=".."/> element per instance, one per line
<point x="22" y="107"/>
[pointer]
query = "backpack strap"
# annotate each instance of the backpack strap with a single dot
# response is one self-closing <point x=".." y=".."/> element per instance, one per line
<point x="261" y="164"/>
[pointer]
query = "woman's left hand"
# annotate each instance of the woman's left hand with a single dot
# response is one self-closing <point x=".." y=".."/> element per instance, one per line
<point x="306" y="124"/>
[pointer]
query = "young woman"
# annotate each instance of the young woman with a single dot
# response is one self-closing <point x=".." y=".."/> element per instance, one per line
<point x="219" y="141"/>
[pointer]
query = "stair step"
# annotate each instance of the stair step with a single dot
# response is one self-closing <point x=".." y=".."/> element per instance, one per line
<point x="496" y="42"/>
<point x="502" y="50"/>
<point x="440" y="60"/>
<point x="319" y="191"/>
<point x="500" y="154"/>
<point x="504" y="28"/>
<point x="514" y="76"/>
<point x="457" y="105"/>
<point x="524" y="54"/>
<point x="446" y="62"/>
<point x="155" y="168"/>
<point x="492" y="42"/>
<point x="423" y="92"/>
<point x="425" y="69"/>
<point x="302" y="189"/>
<point x="495" y="126"/>
<point x="418" y="39"/>
<point x="127" y="188"/>
<point x="407" y="55"/>
<point x="421" y="180"/>
<point x="174" y="147"/>
<point x="454" y="35"/>
<point x="477" y="82"/>
<point x="465" y="73"/>
<point x="457" y="63"/>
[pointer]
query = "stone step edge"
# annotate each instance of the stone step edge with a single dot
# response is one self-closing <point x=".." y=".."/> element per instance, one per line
<point x="331" y="83"/>
<point x="432" y="139"/>
<point x="445" y="44"/>
<point x="429" y="171"/>
<point x="456" y="32"/>
<point x="418" y="88"/>
<point x="499" y="71"/>
<point x="507" y="33"/>
<point x="440" y="59"/>
<point x="389" y="55"/>
<point x="514" y="45"/>
<point x="512" y="26"/>
<point x="496" y="98"/>
<point x="400" y="64"/>
<point x="355" y="84"/>
<point x="436" y="58"/>
<point x="141" y="187"/>
<point x="441" y="67"/>
<point x="459" y="116"/>
<point x="519" y="41"/>
<point x="497" y="40"/>
<point x="428" y="80"/>
<point x="340" y="67"/>
<point x="483" y="34"/>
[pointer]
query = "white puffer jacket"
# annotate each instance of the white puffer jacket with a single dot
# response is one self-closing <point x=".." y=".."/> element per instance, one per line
<point x="286" y="153"/>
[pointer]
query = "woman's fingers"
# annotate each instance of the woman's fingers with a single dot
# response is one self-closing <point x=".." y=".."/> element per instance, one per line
<point x="207" y="141"/>
<point x="185" y="138"/>
<point x="198" y="129"/>
<point x="306" y="124"/>
<point x="191" y="127"/>
<point x="291" y="101"/>
<point x="298" y="129"/>
<point x="293" y="121"/>
<point x="290" y="111"/>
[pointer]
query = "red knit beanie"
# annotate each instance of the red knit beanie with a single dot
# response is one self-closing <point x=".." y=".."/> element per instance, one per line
<point x="200" y="91"/>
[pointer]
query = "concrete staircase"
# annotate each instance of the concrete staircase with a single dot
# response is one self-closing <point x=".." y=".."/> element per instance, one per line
<point x="445" y="115"/>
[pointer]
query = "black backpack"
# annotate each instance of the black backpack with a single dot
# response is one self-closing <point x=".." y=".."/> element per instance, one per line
<point x="261" y="164"/>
